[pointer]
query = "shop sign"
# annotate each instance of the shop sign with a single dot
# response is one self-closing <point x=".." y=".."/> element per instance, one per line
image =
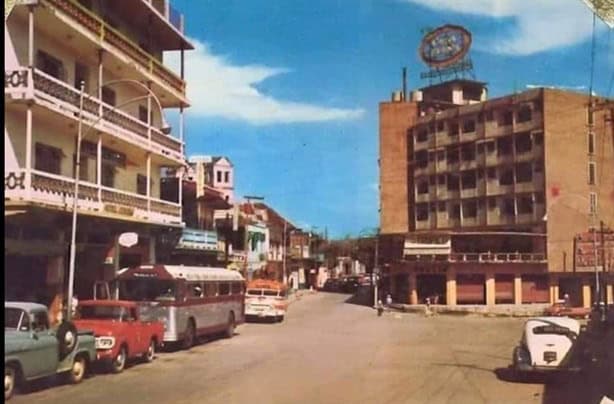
<point x="192" y="239"/>
<point x="121" y="210"/>
<point x="128" y="239"/>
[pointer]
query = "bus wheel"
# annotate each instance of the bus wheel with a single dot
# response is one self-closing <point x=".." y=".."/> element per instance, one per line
<point x="188" y="339"/>
<point x="230" y="328"/>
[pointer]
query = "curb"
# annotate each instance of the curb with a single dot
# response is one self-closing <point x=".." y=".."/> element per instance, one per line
<point x="484" y="311"/>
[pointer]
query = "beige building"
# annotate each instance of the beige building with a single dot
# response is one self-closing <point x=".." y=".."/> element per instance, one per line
<point x="481" y="200"/>
<point x="116" y="49"/>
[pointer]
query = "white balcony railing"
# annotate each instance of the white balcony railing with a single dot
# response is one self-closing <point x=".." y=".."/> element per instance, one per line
<point x="26" y="83"/>
<point x="58" y="191"/>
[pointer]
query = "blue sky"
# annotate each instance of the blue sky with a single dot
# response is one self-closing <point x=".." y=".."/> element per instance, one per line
<point x="289" y="90"/>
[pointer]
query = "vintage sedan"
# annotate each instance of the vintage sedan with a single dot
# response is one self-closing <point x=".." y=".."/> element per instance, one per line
<point x="120" y="330"/>
<point x="549" y="345"/>
<point x="32" y="350"/>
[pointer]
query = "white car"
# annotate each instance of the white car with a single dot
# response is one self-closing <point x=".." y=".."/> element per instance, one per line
<point x="549" y="344"/>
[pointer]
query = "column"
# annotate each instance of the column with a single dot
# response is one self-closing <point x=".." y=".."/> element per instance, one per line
<point x="31" y="36"/>
<point x="413" y="288"/>
<point x="451" y="286"/>
<point x="517" y="289"/>
<point x="554" y="289"/>
<point x="28" y="182"/>
<point x="490" y="288"/>
<point x="586" y="293"/>
<point x="148" y="185"/>
<point x="99" y="166"/>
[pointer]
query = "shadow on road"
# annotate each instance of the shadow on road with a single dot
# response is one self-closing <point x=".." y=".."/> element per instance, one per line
<point x="362" y="297"/>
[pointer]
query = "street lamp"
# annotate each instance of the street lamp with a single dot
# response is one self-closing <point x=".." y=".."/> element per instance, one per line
<point x="165" y="128"/>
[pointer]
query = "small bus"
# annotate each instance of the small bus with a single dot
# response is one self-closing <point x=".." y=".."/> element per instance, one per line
<point x="266" y="299"/>
<point x="191" y="302"/>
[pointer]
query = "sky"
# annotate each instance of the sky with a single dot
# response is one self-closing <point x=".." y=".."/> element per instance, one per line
<point x="289" y="89"/>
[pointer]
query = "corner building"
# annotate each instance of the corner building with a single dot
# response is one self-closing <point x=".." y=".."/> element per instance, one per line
<point x="488" y="201"/>
<point x="51" y="46"/>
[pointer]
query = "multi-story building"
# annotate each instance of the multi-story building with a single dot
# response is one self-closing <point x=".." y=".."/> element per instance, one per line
<point x="115" y="49"/>
<point x="213" y="171"/>
<point x="481" y="200"/>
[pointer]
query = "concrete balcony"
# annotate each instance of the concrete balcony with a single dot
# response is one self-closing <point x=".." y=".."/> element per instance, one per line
<point x="526" y="187"/>
<point x="114" y="41"/>
<point x="56" y="191"/>
<point x="536" y="122"/>
<point x="470" y="221"/>
<point x="468" y="164"/>
<point x="26" y="85"/>
<point x="442" y="192"/>
<point x="422" y="197"/>
<point x="469" y="193"/>
<point x="498" y="257"/>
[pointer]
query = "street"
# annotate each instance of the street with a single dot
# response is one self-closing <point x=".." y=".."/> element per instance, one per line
<point x="330" y="351"/>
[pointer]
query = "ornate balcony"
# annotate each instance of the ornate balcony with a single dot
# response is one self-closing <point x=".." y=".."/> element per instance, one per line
<point x="25" y="84"/>
<point x="110" y="36"/>
<point x="58" y="191"/>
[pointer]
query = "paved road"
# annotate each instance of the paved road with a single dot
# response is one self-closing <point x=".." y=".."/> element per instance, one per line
<point x="329" y="351"/>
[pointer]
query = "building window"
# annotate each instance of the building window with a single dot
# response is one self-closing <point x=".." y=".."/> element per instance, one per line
<point x="504" y="146"/>
<point x="469" y="126"/>
<point x="524" y="172"/>
<point x="108" y="96"/>
<point x="591" y="142"/>
<point x="468" y="152"/>
<point x="83" y="167"/>
<point x="442" y="179"/>
<point x="538" y="167"/>
<point x="455" y="211"/>
<point x="422" y="159"/>
<point x="452" y="153"/>
<point x="480" y="147"/>
<point x="468" y="180"/>
<point x="441" y="155"/>
<point x="507" y="118"/>
<point x="490" y="116"/>
<point x="538" y="138"/>
<point x="492" y="173"/>
<point x="47" y="158"/>
<point x="539" y="198"/>
<point x="50" y="65"/>
<point x="432" y="156"/>
<point x="470" y="209"/>
<point x="492" y="202"/>
<point x="422" y="135"/>
<point x="592" y="173"/>
<point x="108" y="175"/>
<point x="219" y="176"/>
<point x="506" y="176"/>
<point x="523" y="143"/>
<point x="423" y="187"/>
<point x="441" y="206"/>
<point x="524" y="114"/>
<point x="508" y="207"/>
<point x="440" y="126"/>
<point x="227" y="177"/>
<point x="81" y="74"/>
<point x="453" y="182"/>
<point x="453" y="129"/>
<point x="593" y="203"/>
<point x="525" y="205"/>
<point x="422" y="212"/>
<point x="433" y="180"/>
<point x="490" y="146"/>
<point x="141" y="184"/>
<point x="480" y="174"/>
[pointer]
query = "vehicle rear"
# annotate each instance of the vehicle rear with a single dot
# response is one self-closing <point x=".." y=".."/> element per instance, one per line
<point x="266" y="301"/>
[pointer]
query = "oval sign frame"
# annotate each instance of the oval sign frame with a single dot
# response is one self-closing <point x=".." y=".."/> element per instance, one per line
<point x="128" y="240"/>
<point x="445" y="40"/>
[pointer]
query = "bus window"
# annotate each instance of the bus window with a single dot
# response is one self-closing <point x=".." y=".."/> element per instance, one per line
<point x="270" y="292"/>
<point x="147" y="290"/>
<point x="254" y="292"/>
<point x="195" y="290"/>
<point x="211" y="289"/>
<point x="237" y="288"/>
<point x="224" y="288"/>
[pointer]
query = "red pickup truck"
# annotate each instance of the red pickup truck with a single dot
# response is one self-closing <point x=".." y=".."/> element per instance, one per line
<point x="120" y="332"/>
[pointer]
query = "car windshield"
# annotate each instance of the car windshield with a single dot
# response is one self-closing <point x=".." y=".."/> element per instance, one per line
<point x="551" y="329"/>
<point x="101" y="312"/>
<point x="12" y="316"/>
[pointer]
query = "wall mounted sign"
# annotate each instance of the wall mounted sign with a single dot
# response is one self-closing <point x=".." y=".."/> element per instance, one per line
<point x="445" y="46"/>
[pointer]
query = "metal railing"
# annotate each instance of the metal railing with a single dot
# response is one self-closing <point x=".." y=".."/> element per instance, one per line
<point x="113" y="37"/>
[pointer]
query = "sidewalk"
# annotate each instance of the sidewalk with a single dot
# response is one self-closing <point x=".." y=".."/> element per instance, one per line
<point x="500" y="310"/>
<point x="297" y="294"/>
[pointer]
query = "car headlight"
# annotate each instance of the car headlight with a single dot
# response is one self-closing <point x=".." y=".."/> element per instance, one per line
<point x="105" y="342"/>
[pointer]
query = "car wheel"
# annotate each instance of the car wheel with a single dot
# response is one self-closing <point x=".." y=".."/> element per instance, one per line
<point x="281" y="319"/>
<point x="188" y="338"/>
<point x="67" y="337"/>
<point x="230" y="328"/>
<point x="77" y="373"/>
<point x="151" y="351"/>
<point x="119" y="362"/>
<point x="10" y="378"/>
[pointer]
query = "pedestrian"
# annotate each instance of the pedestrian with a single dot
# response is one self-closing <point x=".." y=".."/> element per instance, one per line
<point x="73" y="305"/>
<point x="380" y="308"/>
<point x="567" y="300"/>
<point x="388" y="300"/>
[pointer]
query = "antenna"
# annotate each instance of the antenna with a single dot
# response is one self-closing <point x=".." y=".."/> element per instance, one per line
<point x="405" y="84"/>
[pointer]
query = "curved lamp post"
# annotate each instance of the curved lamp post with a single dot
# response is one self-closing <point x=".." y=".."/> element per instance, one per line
<point x="593" y="215"/>
<point x="165" y="128"/>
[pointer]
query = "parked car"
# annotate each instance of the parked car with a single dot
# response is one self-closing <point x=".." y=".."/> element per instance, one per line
<point x="549" y="344"/>
<point x="331" y="285"/>
<point x="561" y="309"/>
<point x="350" y="284"/>
<point x="32" y="350"/>
<point x="121" y="333"/>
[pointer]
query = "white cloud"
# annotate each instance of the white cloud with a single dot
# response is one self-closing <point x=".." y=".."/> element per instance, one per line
<point x="218" y="88"/>
<point x="538" y="25"/>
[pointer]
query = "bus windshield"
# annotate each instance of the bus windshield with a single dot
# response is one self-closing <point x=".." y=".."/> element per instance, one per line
<point x="144" y="290"/>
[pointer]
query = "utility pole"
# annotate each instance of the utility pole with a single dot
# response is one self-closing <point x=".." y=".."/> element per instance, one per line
<point x="285" y="253"/>
<point x="375" y="269"/>
<point x="604" y="299"/>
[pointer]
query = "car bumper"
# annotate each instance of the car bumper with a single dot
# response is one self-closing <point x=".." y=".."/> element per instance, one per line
<point x="105" y="354"/>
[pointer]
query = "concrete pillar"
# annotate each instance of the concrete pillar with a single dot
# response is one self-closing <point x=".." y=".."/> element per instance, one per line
<point x="554" y="289"/>
<point x="451" y="287"/>
<point x="586" y="294"/>
<point x="413" y="289"/>
<point x="490" y="288"/>
<point x="609" y="294"/>
<point x="517" y="289"/>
